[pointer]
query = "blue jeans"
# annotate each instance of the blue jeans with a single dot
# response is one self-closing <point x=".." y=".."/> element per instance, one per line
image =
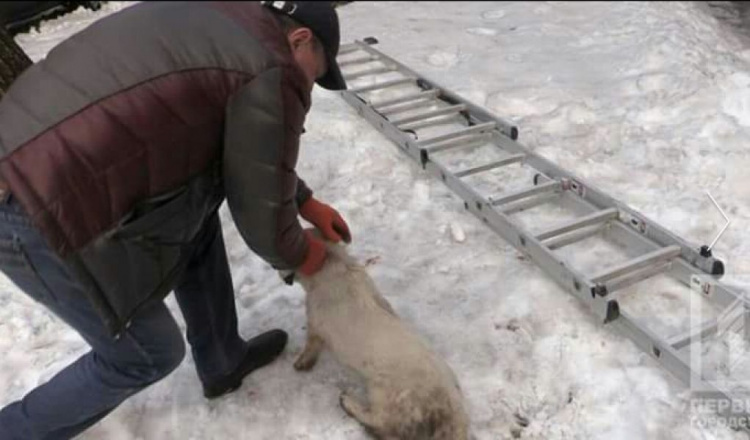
<point x="92" y="386"/>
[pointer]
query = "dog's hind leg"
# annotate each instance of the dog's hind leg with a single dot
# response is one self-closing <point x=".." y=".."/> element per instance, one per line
<point x="357" y="410"/>
<point x="306" y="360"/>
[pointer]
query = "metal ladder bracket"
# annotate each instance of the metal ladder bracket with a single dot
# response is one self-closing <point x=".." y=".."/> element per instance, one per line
<point x="573" y="185"/>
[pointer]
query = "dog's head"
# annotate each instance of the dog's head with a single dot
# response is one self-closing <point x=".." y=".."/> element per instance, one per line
<point x="337" y="260"/>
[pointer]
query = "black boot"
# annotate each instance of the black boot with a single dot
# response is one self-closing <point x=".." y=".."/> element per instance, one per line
<point x="261" y="351"/>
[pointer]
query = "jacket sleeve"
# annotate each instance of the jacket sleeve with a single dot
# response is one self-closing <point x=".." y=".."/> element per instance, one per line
<point x="303" y="192"/>
<point x="263" y="123"/>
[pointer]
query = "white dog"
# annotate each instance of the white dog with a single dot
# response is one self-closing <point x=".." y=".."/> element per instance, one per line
<point x="413" y="394"/>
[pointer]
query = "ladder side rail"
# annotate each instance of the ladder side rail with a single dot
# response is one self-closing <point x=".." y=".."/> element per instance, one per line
<point x="506" y="141"/>
<point x="479" y="113"/>
<point x="693" y="261"/>
<point x="524" y="241"/>
<point x="652" y="236"/>
<point x="600" y="200"/>
<point x="719" y="294"/>
<point x="672" y="360"/>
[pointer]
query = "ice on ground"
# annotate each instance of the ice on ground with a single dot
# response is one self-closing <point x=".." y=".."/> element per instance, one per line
<point x="646" y="100"/>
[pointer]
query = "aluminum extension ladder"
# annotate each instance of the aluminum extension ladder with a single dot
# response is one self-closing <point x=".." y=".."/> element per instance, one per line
<point x="660" y="251"/>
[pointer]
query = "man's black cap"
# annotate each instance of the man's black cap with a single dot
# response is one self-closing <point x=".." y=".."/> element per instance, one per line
<point x="322" y="19"/>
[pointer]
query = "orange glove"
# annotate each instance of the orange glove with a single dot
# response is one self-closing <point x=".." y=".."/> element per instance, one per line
<point x="326" y="219"/>
<point x="316" y="255"/>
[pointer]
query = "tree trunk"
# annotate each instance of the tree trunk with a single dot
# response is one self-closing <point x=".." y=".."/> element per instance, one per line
<point x="13" y="60"/>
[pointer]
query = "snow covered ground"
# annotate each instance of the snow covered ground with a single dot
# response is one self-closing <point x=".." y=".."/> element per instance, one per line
<point x="648" y="101"/>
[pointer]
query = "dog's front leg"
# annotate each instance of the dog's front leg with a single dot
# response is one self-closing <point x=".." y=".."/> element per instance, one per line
<point x="306" y="360"/>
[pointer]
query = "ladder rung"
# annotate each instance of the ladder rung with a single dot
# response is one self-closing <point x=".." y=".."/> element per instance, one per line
<point x="589" y="220"/>
<point x="383" y="85"/>
<point x="636" y="276"/>
<point x="406" y="107"/>
<point x="368" y="72"/>
<point x="360" y="60"/>
<point x="432" y="93"/>
<point x="657" y="256"/>
<point x="431" y="114"/>
<point x="709" y="328"/>
<point x="572" y="237"/>
<point x="429" y="122"/>
<point x="474" y="140"/>
<point x="526" y="192"/>
<point x="684" y="339"/>
<point x="456" y="134"/>
<point x="528" y="203"/>
<point x="500" y="163"/>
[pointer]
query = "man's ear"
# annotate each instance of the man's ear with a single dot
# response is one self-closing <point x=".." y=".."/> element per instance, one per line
<point x="300" y="36"/>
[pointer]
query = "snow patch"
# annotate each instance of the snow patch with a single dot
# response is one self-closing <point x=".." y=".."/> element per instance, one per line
<point x="494" y="15"/>
<point x="482" y="31"/>
<point x="633" y="96"/>
<point x="457" y="233"/>
<point x="443" y="59"/>
<point x="737" y="103"/>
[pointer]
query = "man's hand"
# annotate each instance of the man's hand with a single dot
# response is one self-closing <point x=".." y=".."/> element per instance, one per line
<point x="326" y="219"/>
<point x="316" y="254"/>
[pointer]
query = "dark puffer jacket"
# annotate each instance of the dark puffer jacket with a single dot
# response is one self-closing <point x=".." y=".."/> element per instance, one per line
<point x="130" y="134"/>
